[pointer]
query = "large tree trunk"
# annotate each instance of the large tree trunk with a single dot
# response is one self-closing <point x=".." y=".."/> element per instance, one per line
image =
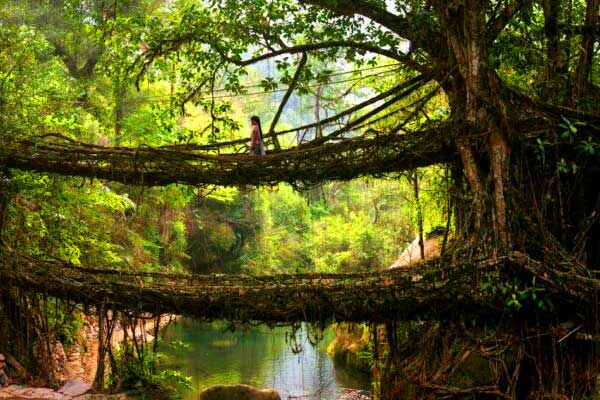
<point x="556" y="66"/>
<point x="586" y="50"/>
<point x="553" y="367"/>
<point x="480" y="95"/>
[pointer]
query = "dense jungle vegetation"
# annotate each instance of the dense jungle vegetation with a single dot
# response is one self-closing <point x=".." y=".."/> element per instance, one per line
<point x="505" y="94"/>
<point x="59" y="76"/>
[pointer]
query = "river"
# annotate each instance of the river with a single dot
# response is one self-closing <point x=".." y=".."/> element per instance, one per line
<point x="260" y="357"/>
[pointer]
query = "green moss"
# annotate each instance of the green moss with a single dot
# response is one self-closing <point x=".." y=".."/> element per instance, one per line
<point x="351" y="347"/>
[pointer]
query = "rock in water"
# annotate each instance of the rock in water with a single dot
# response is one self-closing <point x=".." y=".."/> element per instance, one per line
<point x="238" y="392"/>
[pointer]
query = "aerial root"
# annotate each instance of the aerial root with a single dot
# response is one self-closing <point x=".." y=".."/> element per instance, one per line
<point x="506" y="361"/>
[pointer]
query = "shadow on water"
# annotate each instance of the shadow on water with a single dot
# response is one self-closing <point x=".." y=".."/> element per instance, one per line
<point x="259" y="357"/>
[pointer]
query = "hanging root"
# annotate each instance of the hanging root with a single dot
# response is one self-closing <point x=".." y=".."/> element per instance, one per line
<point x="510" y="361"/>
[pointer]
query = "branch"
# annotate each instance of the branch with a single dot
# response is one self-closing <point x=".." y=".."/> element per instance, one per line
<point x="497" y="24"/>
<point x="366" y="116"/>
<point x="420" y="104"/>
<point x="421" y="80"/>
<point x="586" y="50"/>
<point x="192" y="94"/>
<point x="286" y="97"/>
<point x="303" y="48"/>
<point x="418" y="80"/>
<point x="590" y="29"/>
<point x="393" y="22"/>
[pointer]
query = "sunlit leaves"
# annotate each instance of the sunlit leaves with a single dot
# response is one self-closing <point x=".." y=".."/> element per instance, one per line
<point x="34" y="84"/>
<point x="202" y="46"/>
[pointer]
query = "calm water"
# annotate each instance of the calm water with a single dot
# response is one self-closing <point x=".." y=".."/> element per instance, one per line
<point x="260" y="357"/>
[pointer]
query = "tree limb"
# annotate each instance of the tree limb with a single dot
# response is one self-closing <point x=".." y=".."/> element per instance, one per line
<point x="393" y="22"/>
<point x="497" y="24"/>
<point x="303" y="48"/>
<point x="286" y="97"/>
<point x="420" y="80"/>
<point x="586" y="50"/>
<point x="363" y="118"/>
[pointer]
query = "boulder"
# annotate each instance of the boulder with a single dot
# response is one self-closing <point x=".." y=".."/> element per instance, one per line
<point x="75" y="388"/>
<point x="238" y="392"/>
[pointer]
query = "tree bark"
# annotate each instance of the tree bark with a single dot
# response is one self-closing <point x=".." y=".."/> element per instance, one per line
<point x="499" y="153"/>
<point x="118" y="94"/>
<point x="419" y="214"/>
<point x="319" y="128"/>
<point x="479" y="103"/>
<point x="99" y="379"/>
<point x="556" y="63"/>
<point x="586" y="50"/>
<point x="4" y="198"/>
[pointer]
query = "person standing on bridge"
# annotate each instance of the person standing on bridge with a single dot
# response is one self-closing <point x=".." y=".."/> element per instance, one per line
<point x="257" y="146"/>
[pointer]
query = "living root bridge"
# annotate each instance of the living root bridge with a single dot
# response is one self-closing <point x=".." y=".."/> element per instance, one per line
<point x="158" y="166"/>
<point x="434" y="290"/>
<point x="437" y="291"/>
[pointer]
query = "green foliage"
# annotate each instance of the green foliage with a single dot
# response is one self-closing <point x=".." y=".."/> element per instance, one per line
<point x="33" y="84"/>
<point x="72" y="72"/>
<point x="551" y="154"/>
<point x="519" y="294"/>
<point x="142" y="376"/>
<point x="64" y="324"/>
<point x="340" y="227"/>
<point x="344" y="243"/>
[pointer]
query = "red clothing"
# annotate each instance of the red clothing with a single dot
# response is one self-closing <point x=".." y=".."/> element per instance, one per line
<point x="255" y="136"/>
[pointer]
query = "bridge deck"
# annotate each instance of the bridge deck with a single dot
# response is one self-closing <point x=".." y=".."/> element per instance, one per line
<point x="155" y="166"/>
<point x="430" y="290"/>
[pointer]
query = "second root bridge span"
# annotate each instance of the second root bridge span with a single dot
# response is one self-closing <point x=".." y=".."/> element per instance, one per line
<point x="343" y="160"/>
<point x="437" y="289"/>
<point x="272" y="299"/>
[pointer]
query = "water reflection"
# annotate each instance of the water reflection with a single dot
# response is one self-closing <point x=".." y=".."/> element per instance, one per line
<point x="259" y="357"/>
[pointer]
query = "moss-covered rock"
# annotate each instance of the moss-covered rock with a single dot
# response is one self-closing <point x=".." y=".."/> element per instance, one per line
<point x="351" y="347"/>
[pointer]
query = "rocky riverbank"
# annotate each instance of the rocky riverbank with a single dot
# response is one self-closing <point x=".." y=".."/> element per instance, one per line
<point x="71" y="390"/>
<point x="74" y="365"/>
